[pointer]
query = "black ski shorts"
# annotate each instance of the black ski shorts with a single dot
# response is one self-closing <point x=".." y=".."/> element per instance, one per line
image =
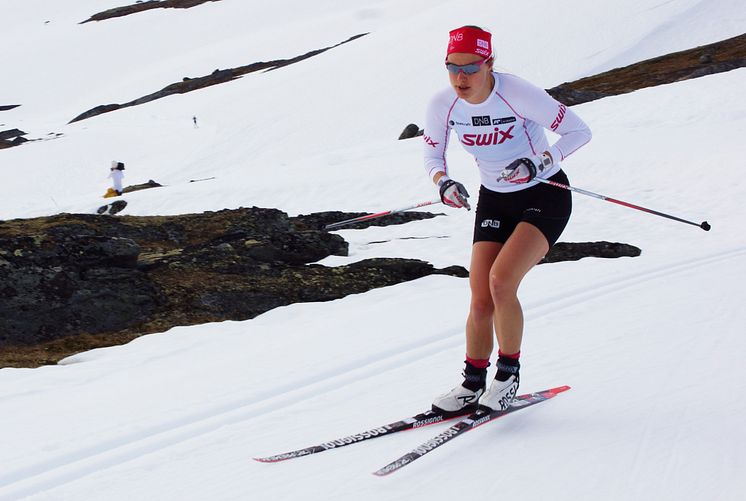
<point x="544" y="206"/>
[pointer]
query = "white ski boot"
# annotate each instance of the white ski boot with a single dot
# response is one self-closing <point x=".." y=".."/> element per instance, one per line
<point x="458" y="401"/>
<point x="500" y="394"/>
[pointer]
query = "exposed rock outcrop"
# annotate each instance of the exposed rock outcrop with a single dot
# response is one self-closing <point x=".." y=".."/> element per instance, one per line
<point x="218" y="76"/>
<point x="708" y="59"/>
<point x="126" y="10"/>
<point x="11" y="137"/>
<point x="114" y="278"/>
<point x="567" y="251"/>
<point x="74" y="282"/>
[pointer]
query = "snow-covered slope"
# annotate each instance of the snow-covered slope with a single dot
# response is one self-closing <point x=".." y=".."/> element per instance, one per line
<point x="652" y="346"/>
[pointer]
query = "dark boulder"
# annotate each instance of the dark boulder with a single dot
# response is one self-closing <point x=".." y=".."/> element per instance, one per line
<point x="410" y="131"/>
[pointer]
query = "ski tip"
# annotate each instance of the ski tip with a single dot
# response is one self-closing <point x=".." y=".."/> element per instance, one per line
<point x="559" y="389"/>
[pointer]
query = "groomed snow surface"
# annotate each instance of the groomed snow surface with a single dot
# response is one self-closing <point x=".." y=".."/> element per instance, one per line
<point x="652" y="346"/>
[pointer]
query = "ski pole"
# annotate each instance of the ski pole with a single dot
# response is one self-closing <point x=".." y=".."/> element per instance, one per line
<point x="380" y="214"/>
<point x="704" y="224"/>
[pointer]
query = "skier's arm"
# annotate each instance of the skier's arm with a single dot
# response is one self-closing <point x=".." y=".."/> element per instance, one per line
<point x="536" y="105"/>
<point x="435" y="137"/>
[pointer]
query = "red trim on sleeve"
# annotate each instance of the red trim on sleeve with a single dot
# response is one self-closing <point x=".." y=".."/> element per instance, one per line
<point x="525" y="130"/>
<point x="447" y="135"/>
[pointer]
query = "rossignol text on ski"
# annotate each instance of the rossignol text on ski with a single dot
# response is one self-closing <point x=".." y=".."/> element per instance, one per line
<point x="417" y="421"/>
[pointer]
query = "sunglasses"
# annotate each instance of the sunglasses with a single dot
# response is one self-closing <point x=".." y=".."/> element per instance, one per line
<point x="468" y="69"/>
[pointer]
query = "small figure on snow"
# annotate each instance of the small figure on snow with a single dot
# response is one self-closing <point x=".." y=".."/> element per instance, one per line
<point x="194" y="119"/>
<point x="500" y="119"/>
<point x="116" y="175"/>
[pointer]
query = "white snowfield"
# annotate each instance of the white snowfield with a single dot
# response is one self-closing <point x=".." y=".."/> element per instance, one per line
<point x="653" y="346"/>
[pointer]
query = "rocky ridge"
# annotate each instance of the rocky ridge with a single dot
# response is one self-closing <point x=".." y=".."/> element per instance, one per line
<point x="73" y="282"/>
<point x="136" y="7"/>
<point x="103" y="279"/>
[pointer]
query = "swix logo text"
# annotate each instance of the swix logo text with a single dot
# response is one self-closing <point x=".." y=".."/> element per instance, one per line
<point x="560" y="117"/>
<point x="429" y="141"/>
<point x="497" y="137"/>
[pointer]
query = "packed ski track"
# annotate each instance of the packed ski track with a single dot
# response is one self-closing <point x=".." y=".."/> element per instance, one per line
<point x="652" y="346"/>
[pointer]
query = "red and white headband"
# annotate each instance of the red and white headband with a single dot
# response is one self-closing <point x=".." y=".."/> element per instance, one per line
<point x="471" y="41"/>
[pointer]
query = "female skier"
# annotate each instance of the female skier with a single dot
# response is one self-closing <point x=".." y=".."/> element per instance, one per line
<point x="500" y="119"/>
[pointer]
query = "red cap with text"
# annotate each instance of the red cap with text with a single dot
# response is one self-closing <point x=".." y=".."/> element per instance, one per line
<point x="471" y="41"/>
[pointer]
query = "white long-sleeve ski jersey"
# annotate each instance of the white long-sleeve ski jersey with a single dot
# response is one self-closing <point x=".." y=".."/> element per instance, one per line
<point x="116" y="176"/>
<point x="508" y="125"/>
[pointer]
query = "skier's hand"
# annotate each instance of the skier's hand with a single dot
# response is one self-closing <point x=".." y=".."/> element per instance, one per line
<point x="453" y="193"/>
<point x="524" y="170"/>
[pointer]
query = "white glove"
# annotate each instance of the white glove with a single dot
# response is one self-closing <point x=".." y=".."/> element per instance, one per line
<point x="453" y="193"/>
<point x="524" y="170"/>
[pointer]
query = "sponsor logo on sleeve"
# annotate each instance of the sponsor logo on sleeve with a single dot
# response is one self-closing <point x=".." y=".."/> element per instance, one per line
<point x="430" y="141"/>
<point x="560" y="116"/>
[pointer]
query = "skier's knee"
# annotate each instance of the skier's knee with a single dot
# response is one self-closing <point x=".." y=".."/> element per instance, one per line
<point x="501" y="289"/>
<point x="481" y="307"/>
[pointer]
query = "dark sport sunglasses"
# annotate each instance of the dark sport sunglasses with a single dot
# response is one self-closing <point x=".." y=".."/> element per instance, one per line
<point x="468" y="69"/>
